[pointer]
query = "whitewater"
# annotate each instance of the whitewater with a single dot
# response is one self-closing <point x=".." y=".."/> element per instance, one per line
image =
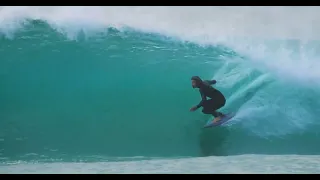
<point x="107" y="89"/>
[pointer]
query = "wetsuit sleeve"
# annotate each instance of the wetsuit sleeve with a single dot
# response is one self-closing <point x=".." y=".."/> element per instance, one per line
<point x="203" y="98"/>
<point x="212" y="82"/>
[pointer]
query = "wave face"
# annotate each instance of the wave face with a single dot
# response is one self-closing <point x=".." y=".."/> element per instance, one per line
<point x="115" y="81"/>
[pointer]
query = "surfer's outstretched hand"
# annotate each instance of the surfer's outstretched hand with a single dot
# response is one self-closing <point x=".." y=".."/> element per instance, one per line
<point x="193" y="109"/>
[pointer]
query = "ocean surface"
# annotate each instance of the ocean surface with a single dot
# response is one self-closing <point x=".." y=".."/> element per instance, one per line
<point x="107" y="89"/>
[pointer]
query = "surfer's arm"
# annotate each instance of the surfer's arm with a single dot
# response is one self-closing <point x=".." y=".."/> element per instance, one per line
<point x="203" y="98"/>
<point x="211" y="82"/>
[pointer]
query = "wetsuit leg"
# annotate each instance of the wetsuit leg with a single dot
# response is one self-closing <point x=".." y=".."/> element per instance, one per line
<point x="211" y="106"/>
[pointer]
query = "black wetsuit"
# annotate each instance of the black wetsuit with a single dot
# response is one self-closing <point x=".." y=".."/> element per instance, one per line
<point x="217" y="99"/>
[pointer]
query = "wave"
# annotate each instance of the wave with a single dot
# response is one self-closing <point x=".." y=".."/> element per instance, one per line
<point x="114" y="81"/>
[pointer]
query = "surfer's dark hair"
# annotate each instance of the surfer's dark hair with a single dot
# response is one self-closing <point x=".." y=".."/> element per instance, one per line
<point x="197" y="79"/>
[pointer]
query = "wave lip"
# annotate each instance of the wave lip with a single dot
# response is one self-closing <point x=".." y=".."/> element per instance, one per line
<point x="266" y="35"/>
<point x="186" y="22"/>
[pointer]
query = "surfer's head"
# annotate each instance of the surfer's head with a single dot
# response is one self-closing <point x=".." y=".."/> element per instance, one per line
<point x="196" y="81"/>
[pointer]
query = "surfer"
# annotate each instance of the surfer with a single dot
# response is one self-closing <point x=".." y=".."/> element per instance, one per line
<point x="210" y="106"/>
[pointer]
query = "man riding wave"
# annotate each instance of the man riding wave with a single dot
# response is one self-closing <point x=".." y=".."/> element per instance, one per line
<point x="216" y="101"/>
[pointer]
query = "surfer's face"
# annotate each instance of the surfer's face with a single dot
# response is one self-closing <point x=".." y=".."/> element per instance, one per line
<point x="194" y="84"/>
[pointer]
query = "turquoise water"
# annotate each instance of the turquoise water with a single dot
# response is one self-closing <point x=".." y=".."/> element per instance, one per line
<point x="75" y="89"/>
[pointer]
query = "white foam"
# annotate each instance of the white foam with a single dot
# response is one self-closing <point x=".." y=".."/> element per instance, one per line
<point x="267" y="164"/>
<point x="187" y="22"/>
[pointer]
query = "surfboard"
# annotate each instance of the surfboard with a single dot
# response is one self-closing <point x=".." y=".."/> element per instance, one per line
<point x="226" y="118"/>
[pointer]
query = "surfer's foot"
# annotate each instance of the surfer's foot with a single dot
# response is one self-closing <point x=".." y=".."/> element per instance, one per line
<point x="217" y="119"/>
